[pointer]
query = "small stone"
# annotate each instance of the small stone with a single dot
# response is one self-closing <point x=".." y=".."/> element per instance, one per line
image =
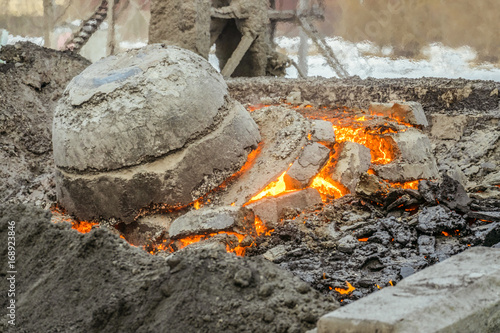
<point x="471" y="170"/>
<point x="275" y="253"/>
<point x="426" y="245"/>
<point x="322" y="131"/>
<point x="447" y="127"/>
<point x="165" y="289"/>
<point x="415" y="158"/>
<point x="488" y="166"/>
<point x="266" y="290"/>
<point x="290" y="301"/>
<point x="370" y="186"/>
<point x="347" y="244"/>
<point x="310" y="162"/>
<point x="207" y="220"/>
<point x="302" y="287"/>
<point x="308" y="317"/>
<point x="434" y="220"/>
<point x="173" y="261"/>
<point x="270" y="210"/>
<point x="268" y="316"/>
<point x="409" y="112"/>
<point x="354" y="160"/>
<point x="294" y="97"/>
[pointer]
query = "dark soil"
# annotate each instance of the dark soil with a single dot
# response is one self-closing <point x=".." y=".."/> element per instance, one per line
<point x="97" y="282"/>
<point x="31" y="81"/>
<point x="362" y="242"/>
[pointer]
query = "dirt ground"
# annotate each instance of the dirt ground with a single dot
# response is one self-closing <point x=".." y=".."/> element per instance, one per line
<point x="97" y="282"/>
<point x="31" y="82"/>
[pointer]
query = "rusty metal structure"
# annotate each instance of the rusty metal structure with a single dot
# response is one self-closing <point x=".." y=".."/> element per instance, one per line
<point x="242" y="32"/>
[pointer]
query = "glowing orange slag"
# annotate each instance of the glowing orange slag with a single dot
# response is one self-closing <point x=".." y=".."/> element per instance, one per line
<point x="381" y="147"/>
<point x="445" y="234"/>
<point x="407" y="185"/>
<point x="273" y="189"/>
<point x="347" y="291"/>
<point x="183" y="242"/>
<point x="260" y="228"/>
<point x="60" y="215"/>
<point x="365" y="239"/>
<point x="251" y="158"/>
<point x="239" y="250"/>
<point x="252" y="108"/>
<point x="83" y="226"/>
<point x="328" y="187"/>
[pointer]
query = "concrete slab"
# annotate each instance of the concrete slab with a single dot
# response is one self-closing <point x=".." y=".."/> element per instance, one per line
<point x="322" y="131"/>
<point x="207" y="220"/>
<point x="416" y="159"/>
<point x="409" y="112"/>
<point x="271" y="210"/>
<point x="308" y="165"/>
<point x="354" y="160"/>
<point x="460" y="294"/>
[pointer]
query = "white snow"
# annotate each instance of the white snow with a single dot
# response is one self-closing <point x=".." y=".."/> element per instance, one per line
<point x="358" y="59"/>
<point x="14" y="39"/>
<point x="366" y="60"/>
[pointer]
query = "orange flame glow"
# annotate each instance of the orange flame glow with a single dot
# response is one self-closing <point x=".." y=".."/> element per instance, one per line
<point x="239" y="250"/>
<point x="261" y="228"/>
<point x="83" y="226"/>
<point x="382" y="148"/>
<point x="363" y="239"/>
<point x="328" y="188"/>
<point x="347" y="291"/>
<point x="407" y="185"/>
<point x="60" y="215"/>
<point x="273" y="189"/>
<point x="252" y="108"/>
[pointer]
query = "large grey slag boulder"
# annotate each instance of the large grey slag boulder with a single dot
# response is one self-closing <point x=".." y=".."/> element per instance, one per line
<point x="150" y="126"/>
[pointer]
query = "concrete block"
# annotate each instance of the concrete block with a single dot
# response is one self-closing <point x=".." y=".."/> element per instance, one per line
<point x="310" y="162"/>
<point x="208" y="220"/>
<point x="460" y="294"/>
<point x="415" y="158"/>
<point x="354" y="160"/>
<point x="322" y="131"/>
<point x="271" y="210"/>
<point x="408" y="112"/>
